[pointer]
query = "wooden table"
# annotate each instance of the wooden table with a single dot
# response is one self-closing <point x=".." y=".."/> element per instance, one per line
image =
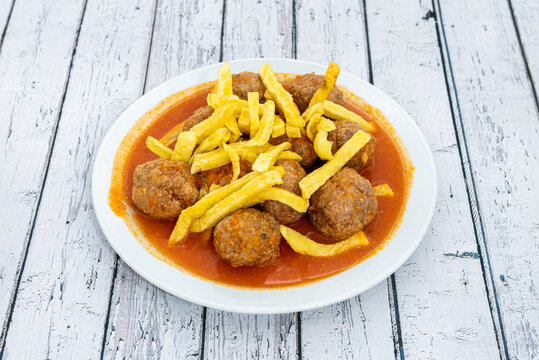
<point x="466" y="71"/>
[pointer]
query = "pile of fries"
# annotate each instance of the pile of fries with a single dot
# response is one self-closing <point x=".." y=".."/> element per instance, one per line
<point x="241" y="130"/>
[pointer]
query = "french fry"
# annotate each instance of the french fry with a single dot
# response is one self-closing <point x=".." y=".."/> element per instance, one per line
<point x="265" y="127"/>
<point x="383" y="191"/>
<point x="290" y="155"/>
<point x="303" y="245"/>
<point x="278" y="127"/>
<point x="217" y="101"/>
<point x="234" y="159"/>
<point x="158" y="148"/>
<point x="293" y="131"/>
<point x="286" y="197"/>
<point x="214" y="187"/>
<point x="233" y="138"/>
<point x="312" y="126"/>
<point x="254" y="120"/>
<point x="219" y="157"/>
<point x="244" y="122"/>
<point x="330" y="79"/>
<point x="282" y="98"/>
<point x="172" y="135"/>
<point x="232" y="126"/>
<point x="187" y="140"/>
<point x="312" y="182"/>
<point x="219" y="136"/>
<point x="338" y="112"/>
<point x="316" y="109"/>
<point x="237" y="200"/>
<point x="267" y="159"/>
<point x="268" y="96"/>
<point x="224" y="84"/>
<point x="322" y="146"/>
<point x="218" y="119"/>
<point x="181" y="229"/>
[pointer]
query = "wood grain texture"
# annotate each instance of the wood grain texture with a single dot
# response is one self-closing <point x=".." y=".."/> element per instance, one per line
<point x="498" y="127"/>
<point x="34" y="67"/>
<point x="5" y="10"/>
<point x="63" y="295"/>
<point x="407" y="65"/>
<point x="526" y="16"/>
<point x="261" y="29"/>
<point x="146" y="322"/>
<point x="359" y="328"/>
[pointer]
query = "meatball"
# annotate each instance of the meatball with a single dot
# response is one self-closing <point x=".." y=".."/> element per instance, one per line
<point x="220" y="176"/>
<point x="301" y="146"/>
<point x="247" y="237"/>
<point x="344" y="205"/>
<point x="344" y="131"/>
<point x="198" y="116"/>
<point x="246" y="82"/>
<point x="303" y="88"/>
<point x="162" y="188"/>
<point x="293" y="173"/>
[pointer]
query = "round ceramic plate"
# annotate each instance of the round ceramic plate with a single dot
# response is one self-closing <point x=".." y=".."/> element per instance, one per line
<point x="344" y="285"/>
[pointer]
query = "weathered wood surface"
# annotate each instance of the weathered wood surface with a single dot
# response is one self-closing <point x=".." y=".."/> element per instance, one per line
<point x="35" y="60"/>
<point x="63" y="296"/>
<point x="498" y="130"/>
<point x="408" y="57"/>
<point x="146" y="322"/>
<point x="5" y="10"/>
<point x="359" y="328"/>
<point x="262" y="29"/>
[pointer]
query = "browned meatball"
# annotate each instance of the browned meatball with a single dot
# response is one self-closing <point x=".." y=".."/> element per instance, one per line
<point x="247" y="237"/>
<point x="220" y="176"/>
<point x="246" y="82"/>
<point x="163" y="188"/>
<point x="198" y="116"/>
<point x="344" y="205"/>
<point x="301" y="146"/>
<point x="293" y="173"/>
<point x="344" y="131"/>
<point x="303" y="88"/>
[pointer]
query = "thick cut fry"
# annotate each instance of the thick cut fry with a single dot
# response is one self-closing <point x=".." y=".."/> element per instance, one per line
<point x="265" y="127"/>
<point x="338" y="112"/>
<point x="312" y="126"/>
<point x="254" y="120"/>
<point x="224" y="85"/>
<point x="293" y="131"/>
<point x="290" y="155"/>
<point x="315" y="110"/>
<point x="232" y="126"/>
<point x="267" y="159"/>
<point x="330" y="79"/>
<point x="216" y="101"/>
<point x="219" y="157"/>
<point x="303" y="245"/>
<point x="322" y="146"/>
<point x="312" y="182"/>
<point x="282" y="98"/>
<point x="218" y="137"/>
<point x="268" y="96"/>
<point x="187" y="140"/>
<point x="244" y="122"/>
<point x="286" y="197"/>
<point x="237" y="200"/>
<point x="278" y="127"/>
<point x="383" y="190"/>
<point x="234" y="159"/>
<point x="218" y="119"/>
<point x="158" y="148"/>
<point x="181" y="229"/>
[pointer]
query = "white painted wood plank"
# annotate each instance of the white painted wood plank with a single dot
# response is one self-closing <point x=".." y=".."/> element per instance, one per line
<point x="253" y="30"/>
<point x="501" y="127"/>
<point x="360" y="328"/>
<point x="34" y="66"/>
<point x="527" y="17"/>
<point x="146" y="322"/>
<point x="5" y="8"/>
<point x="437" y="317"/>
<point x="63" y="296"/>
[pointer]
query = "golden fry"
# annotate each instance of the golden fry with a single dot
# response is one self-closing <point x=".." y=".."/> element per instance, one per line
<point x="290" y="155"/>
<point x="214" y="187"/>
<point x="232" y="126"/>
<point x="303" y="245"/>
<point x="234" y="159"/>
<point x="219" y="136"/>
<point x="330" y="79"/>
<point x="267" y="159"/>
<point x="312" y="182"/>
<point x="244" y="121"/>
<point x="315" y="110"/>
<point x="268" y="96"/>
<point x="265" y="127"/>
<point x="338" y="112"/>
<point x="322" y="146"/>
<point x="172" y="135"/>
<point x="224" y="84"/>
<point x="237" y="200"/>
<point x="181" y="229"/>
<point x="278" y="127"/>
<point x="282" y="98"/>
<point x="187" y="140"/>
<point x="219" y="157"/>
<point x="383" y="190"/>
<point x="293" y="131"/>
<point x="218" y="119"/>
<point x="286" y="197"/>
<point x="254" y="120"/>
<point x="158" y="148"/>
<point x="312" y="126"/>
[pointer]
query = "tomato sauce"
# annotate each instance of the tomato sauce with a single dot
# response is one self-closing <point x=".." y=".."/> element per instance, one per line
<point x="196" y="253"/>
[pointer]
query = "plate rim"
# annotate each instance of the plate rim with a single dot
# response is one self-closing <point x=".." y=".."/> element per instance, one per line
<point x="306" y="304"/>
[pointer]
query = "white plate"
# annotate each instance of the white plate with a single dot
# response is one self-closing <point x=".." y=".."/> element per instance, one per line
<point x="336" y="288"/>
